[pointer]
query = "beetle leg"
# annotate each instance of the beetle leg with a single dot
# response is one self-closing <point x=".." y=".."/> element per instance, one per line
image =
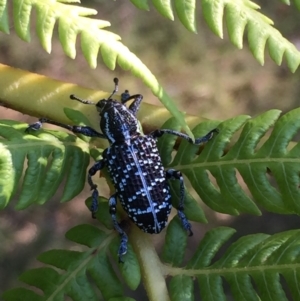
<point x="207" y="137"/>
<point x="134" y="107"/>
<point x="92" y="171"/>
<point x="112" y="202"/>
<point x="84" y="130"/>
<point x="173" y="174"/>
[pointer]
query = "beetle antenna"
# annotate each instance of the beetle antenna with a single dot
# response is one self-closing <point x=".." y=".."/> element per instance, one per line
<point x="86" y="102"/>
<point x="116" y="81"/>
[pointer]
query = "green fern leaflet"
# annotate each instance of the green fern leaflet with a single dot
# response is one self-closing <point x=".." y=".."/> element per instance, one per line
<point x="47" y="158"/>
<point x="268" y="165"/>
<point x="260" y="258"/>
<point x="238" y="15"/>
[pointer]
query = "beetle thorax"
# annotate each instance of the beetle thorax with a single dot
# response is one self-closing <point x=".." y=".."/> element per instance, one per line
<point x="117" y="123"/>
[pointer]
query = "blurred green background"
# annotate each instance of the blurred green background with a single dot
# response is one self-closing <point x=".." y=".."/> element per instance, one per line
<point x="205" y="75"/>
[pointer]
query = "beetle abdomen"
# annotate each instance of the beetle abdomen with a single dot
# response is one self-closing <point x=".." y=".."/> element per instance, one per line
<point x="139" y="178"/>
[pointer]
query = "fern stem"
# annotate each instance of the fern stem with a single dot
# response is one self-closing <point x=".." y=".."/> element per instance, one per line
<point x="153" y="277"/>
<point x="18" y="91"/>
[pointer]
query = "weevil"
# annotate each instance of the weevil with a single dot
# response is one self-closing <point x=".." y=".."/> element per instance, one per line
<point x="134" y="165"/>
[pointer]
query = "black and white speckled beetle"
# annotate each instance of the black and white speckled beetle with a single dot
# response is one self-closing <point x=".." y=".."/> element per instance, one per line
<point x="134" y="165"/>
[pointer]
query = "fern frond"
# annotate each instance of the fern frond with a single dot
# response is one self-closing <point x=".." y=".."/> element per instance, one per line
<point x="46" y="158"/>
<point x="185" y="10"/>
<point x="241" y="14"/>
<point x="4" y="25"/>
<point x="73" y="21"/>
<point x="270" y="171"/>
<point x="79" y="271"/>
<point x="260" y="257"/>
<point x="253" y="266"/>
